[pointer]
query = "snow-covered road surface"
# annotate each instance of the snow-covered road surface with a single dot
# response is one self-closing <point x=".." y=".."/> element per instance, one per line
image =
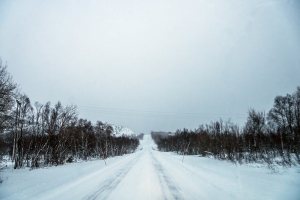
<point x="150" y="174"/>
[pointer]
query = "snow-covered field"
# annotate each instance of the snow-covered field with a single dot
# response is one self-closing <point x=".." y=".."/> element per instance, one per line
<point x="149" y="174"/>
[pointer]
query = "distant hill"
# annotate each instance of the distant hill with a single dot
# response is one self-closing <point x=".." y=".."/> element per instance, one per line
<point x="119" y="131"/>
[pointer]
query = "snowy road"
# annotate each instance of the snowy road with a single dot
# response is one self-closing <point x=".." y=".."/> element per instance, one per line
<point x="150" y="174"/>
<point x="139" y="176"/>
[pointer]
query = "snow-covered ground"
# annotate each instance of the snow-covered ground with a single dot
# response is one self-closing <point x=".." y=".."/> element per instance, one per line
<point x="150" y="174"/>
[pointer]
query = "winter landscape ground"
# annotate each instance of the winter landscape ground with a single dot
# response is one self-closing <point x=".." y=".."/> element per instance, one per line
<point x="150" y="174"/>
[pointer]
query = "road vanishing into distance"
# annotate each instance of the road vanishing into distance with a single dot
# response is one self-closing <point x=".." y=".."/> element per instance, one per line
<point x="146" y="174"/>
<point x="151" y="174"/>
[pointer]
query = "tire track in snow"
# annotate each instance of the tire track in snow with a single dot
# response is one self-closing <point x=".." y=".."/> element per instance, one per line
<point x="165" y="179"/>
<point x="196" y="173"/>
<point x="109" y="185"/>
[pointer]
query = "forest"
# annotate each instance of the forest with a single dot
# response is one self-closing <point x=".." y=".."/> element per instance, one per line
<point x="37" y="135"/>
<point x="272" y="137"/>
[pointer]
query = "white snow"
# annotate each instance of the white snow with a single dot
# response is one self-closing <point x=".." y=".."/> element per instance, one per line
<point x="119" y="131"/>
<point x="150" y="174"/>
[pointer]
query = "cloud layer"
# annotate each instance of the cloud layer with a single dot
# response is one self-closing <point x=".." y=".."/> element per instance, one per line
<point x="157" y="65"/>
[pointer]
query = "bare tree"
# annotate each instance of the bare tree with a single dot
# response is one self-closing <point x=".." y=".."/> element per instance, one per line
<point x="296" y="97"/>
<point x="255" y="126"/>
<point x="45" y="135"/>
<point x="7" y="94"/>
<point x="25" y="111"/>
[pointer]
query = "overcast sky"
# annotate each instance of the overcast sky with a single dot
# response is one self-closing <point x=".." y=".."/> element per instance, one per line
<point x="154" y="65"/>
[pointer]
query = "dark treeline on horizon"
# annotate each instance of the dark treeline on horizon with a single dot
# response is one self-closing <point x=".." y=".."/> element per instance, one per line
<point x="268" y="138"/>
<point x="41" y="135"/>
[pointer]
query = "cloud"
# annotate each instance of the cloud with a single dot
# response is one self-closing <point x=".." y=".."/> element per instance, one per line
<point x="216" y="57"/>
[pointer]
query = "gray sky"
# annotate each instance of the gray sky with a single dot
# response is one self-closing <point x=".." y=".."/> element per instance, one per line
<point x="154" y="65"/>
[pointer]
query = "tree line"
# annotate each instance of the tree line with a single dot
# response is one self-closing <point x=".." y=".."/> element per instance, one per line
<point x="269" y="138"/>
<point x="36" y="135"/>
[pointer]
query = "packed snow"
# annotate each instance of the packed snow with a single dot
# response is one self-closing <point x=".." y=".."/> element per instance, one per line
<point x="150" y="174"/>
